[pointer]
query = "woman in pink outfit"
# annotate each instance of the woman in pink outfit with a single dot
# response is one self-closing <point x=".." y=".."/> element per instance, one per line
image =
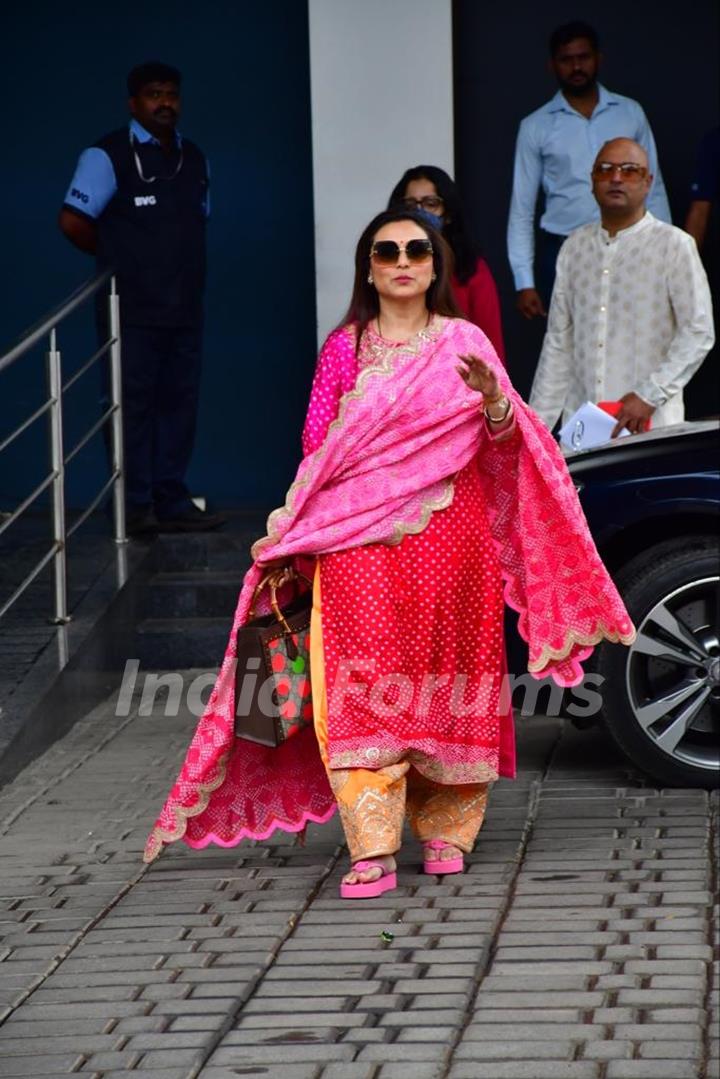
<point x="429" y="495"/>
<point x="429" y="191"/>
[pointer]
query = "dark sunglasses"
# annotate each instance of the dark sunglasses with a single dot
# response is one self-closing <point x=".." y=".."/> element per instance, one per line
<point x="387" y="252"/>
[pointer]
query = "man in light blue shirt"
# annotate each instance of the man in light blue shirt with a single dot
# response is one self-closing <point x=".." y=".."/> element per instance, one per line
<point x="556" y="147"/>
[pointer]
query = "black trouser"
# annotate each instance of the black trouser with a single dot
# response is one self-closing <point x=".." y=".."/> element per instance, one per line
<point x="549" y="245"/>
<point x="160" y="391"/>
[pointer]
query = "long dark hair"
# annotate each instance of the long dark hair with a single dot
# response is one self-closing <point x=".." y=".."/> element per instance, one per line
<point x="455" y="231"/>
<point x="365" y="303"/>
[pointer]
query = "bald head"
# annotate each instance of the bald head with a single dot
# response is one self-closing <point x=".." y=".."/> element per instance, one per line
<point x="627" y="149"/>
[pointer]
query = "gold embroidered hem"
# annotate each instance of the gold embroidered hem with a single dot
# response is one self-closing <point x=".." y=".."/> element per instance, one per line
<point x="159" y="836"/>
<point x="453" y="814"/>
<point x="373" y="806"/>
<point x="372" y="809"/>
<point x="430" y="506"/>
<point x="602" y="633"/>
<point x="426" y="763"/>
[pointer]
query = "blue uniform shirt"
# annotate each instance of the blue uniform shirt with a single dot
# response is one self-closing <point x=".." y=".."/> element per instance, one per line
<point x="94" y="183"/>
<point x="556" y="148"/>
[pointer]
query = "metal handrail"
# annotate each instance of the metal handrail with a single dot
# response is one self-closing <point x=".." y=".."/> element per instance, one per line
<point x="86" y="366"/>
<point x="55" y="316"/>
<point x="55" y="479"/>
<point x="107" y="414"/>
<point x="27" y="581"/>
<point x="26" y="503"/>
<point x="93" y="505"/>
<point x="25" y="424"/>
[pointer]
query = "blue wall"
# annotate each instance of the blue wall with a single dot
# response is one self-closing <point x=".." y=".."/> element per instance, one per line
<point x="247" y="104"/>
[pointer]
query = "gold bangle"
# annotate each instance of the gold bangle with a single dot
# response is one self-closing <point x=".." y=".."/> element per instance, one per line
<point x="506" y="413"/>
<point x="494" y="400"/>
<point x="500" y="399"/>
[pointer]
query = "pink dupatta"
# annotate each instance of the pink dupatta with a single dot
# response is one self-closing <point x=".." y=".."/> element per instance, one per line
<point x="387" y="463"/>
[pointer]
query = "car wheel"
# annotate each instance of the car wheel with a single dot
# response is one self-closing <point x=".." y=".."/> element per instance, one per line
<point x="661" y="696"/>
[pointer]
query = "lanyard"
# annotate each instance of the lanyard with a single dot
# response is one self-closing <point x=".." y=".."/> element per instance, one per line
<point x="151" y="179"/>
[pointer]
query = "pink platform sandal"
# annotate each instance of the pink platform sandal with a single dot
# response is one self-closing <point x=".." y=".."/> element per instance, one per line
<point x="441" y="866"/>
<point x="372" y="888"/>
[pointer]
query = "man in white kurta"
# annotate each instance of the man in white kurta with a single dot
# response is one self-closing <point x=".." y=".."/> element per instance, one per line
<point x="631" y="314"/>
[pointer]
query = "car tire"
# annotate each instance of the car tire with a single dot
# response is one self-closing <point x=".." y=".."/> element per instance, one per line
<point x="671" y="593"/>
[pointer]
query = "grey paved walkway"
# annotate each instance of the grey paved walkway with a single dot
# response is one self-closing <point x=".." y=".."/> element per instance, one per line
<point x="577" y="944"/>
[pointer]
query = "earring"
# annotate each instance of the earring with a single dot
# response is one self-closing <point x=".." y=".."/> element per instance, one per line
<point x="434" y="276"/>
<point x="370" y="279"/>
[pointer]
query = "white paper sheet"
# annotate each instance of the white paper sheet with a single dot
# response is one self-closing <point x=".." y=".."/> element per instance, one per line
<point x="589" y="426"/>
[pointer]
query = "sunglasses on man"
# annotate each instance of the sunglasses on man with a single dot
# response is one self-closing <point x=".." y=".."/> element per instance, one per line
<point x="605" y="170"/>
<point x="387" y="252"/>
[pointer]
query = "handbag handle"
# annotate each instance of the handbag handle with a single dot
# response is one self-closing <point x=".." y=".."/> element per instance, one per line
<point x="275" y="580"/>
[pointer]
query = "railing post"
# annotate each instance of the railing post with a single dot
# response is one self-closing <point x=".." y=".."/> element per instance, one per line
<point x="116" y="428"/>
<point x="57" y="464"/>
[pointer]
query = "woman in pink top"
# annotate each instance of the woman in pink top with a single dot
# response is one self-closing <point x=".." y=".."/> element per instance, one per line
<point x="430" y="192"/>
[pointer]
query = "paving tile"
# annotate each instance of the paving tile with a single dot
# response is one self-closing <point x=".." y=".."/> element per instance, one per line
<point x="652" y="1069"/>
<point x="281" y="1054"/>
<point x="40" y="1064"/>
<point x="526" y="1069"/>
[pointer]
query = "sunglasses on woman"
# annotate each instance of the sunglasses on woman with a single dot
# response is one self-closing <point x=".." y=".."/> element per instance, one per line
<point x="433" y="203"/>
<point x="387" y="252"/>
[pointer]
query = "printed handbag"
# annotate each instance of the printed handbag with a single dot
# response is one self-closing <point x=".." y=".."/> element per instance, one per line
<point x="273" y="699"/>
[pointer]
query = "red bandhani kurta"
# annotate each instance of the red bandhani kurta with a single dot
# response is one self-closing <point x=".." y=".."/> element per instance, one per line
<point x="412" y="633"/>
<point x="412" y="637"/>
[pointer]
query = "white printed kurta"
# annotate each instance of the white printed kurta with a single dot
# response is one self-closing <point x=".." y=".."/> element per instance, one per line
<point x="629" y="313"/>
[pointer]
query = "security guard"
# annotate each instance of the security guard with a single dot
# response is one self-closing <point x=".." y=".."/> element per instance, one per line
<point x="139" y="201"/>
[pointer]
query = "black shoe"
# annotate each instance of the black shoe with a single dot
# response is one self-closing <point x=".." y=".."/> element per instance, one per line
<point x="141" y="522"/>
<point x="191" y="519"/>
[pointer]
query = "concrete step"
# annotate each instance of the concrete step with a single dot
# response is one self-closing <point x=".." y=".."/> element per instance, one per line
<point x="217" y="551"/>
<point x="193" y="594"/>
<point x="187" y="604"/>
<point x="178" y="643"/>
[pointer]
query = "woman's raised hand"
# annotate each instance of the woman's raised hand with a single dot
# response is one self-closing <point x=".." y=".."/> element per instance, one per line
<point x="478" y="376"/>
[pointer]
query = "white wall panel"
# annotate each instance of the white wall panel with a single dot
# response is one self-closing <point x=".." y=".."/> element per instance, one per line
<point x="381" y="88"/>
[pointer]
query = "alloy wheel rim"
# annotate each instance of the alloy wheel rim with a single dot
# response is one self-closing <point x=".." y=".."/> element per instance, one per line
<point x="673" y="675"/>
